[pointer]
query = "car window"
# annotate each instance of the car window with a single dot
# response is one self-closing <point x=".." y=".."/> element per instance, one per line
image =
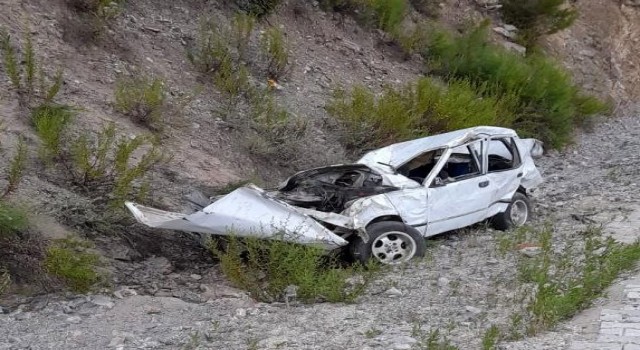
<point x="419" y="167"/>
<point x="503" y="154"/>
<point x="465" y="162"/>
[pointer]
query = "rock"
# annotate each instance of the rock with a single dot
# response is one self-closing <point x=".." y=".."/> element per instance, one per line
<point x="354" y="281"/>
<point x="493" y="261"/>
<point x="103" y="300"/>
<point x="241" y="312"/>
<point x="403" y="343"/>
<point x="394" y="292"/>
<point x="510" y="27"/>
<point x="74" y="319"/>
<point x="472" y="309"/>
<point x="124" y="292"/>
<point x="514" y="47"/>
<point x="195" y="276"/>
<point x="443" y="282"/>
<point x="530" y="251"/>
<point x="504" y="32"/>
<point x="22" y="316"/>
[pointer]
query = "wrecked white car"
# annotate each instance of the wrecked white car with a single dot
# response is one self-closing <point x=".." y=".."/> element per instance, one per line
<point x="384" y="205"/>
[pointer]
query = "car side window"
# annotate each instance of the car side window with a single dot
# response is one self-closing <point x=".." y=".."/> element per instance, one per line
<point x="464" y="162"/>
<point x="419" y="167"/>
<point x="503" y="154"/>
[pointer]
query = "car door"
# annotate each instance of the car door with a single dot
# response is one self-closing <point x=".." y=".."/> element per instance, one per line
<point x="504" y="171"/>
<point x="463" y="199"/>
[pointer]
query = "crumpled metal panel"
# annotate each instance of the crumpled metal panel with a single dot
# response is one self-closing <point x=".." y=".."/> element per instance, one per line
<point x="400" y="153"/>
<point x="244" y="212"/>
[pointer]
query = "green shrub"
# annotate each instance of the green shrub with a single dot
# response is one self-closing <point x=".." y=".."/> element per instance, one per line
<point x="267" y="269"/>
<point x="388" y="13"/>
<point x="490" y="338"/>
<point x="142" y="98"/>
<point x="414" y="110"/>
<point x="12" y="219"/>
<point x="241" y="28"/>
<point x="258" y="8"/>
<point x="50" y="122"/>
<point x="276" y="51"/>
<point x="535" y="18"/>
<point x="16" y="168"/>
<point x="5" y="280"/>
<point x="545" y="103"/>
<point x="24" y="79"/>
<point x="70" y="260"/>
<point x="104" y="165"/>
<point x="211" y="48"/>
<point x="278" y="133"/>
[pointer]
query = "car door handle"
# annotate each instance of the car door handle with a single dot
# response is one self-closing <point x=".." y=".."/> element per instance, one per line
<point x="519" y="174"/>
<point x="483" y="184"/>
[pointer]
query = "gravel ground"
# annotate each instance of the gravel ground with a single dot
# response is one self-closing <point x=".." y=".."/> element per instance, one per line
<point x="461" y="288"/>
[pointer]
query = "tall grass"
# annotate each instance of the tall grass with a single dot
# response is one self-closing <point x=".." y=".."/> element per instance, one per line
<point x="142" y="98"/>
<point x="547" y="103"/>
<point x="50" y="122"/>
<point x="413" y="110"/>
<point x="271" y="269"/>
<point x="12" y="219"/>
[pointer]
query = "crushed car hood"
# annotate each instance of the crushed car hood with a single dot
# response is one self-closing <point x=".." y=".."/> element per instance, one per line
<point x="245" y="212"/>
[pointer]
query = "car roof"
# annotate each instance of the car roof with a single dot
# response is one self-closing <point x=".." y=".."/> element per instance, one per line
<point x="399" y="153"/>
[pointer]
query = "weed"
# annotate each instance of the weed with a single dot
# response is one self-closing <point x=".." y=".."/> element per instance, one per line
<point x="104" y="166"/>
<point x="389" y="13"/>
<point x="50" y="122"/>
<point x="414" y="110"/>
<point x="541" y="98"/>
<point x="69" y="260"/>
<point x="490" y="338"/>
<point x="12" y="219"/>
<point x="372" y="333"/>
<point x="432" y="340"/>
<point x="142" y="98"/>
<point x="535" y="18"/>
<point x="241" y="29"/>
<point x="194" y="341"/>
<point x="276" y="51"/>
<point x="258" y="8"/>
<point x="16" y="169"/>
<point x="5" y="280"/>
<point x="267" y="268"/>
<point x="278" y="132"/>
<point x="212" y="47"/>
<point x="24" y="79"/>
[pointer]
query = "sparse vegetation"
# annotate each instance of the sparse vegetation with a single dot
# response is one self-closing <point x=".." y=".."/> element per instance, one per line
<point x="414" y="110"/>
<point x="5" y="280"/>
<point x="69" y="259"/>
<point x="241" y="29"/>
<point x="384" y="14"/>
<point x="276" y="51"/>
<point x="544" y="102"/>
<point x="258" y="8"/>
<point x="490" y="338"/>
<point x="13" y="219"/>
<point x="16" y="169"/>
<point x="23" y="79"/>
<point x="89" y="19"/>
<point x="429" y="8"/>
<point x="142" y="98"/>
<point x="104" y="165"/>
<point x="272" y="270"/>
<point x="535" y="18"/>
<point x="431" y="340"/>
<point x="50" y="122"/>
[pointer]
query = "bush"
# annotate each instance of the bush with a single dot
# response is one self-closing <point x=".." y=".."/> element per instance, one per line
<point x="16" y="169"/>
<point x="69" y="259"/>
<point x="258" y="8"/>
<point x="5" y="280"/>
<point x="535" y="18"/>
<point x="278" y="132"/>
<point x="414" y="110"/>
<point x="211" y="49"/>
<point x="545" y="103"/>
<point x="103" y="166"/>
<point x="269" y="268"/>
<point x="50" y="122"/>
<point x="24" y="79"/>
<point x="388" y="13"/>
<point x="13" y="219"/>
<point x="241" y="29"/>
<point x="142" y="98"/>
<point x="276" y="51"/>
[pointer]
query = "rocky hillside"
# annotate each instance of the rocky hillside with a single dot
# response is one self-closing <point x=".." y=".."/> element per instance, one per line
<point x="211" y="140"/>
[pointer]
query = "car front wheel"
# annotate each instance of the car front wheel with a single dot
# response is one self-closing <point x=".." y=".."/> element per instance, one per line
<point x="517" y="214"/>
<point x="390" y="242"/>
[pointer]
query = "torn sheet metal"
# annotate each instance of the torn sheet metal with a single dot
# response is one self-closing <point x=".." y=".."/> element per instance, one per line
<point x="245" y="212"/>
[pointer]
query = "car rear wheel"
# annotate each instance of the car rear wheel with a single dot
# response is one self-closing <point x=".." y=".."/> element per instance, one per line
<point x="517" y="214"/>
<point x="390" y="242"/>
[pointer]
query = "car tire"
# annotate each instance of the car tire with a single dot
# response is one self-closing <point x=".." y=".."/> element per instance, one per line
<point x="517" y="214"/>
<point x="390" y="242"/>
